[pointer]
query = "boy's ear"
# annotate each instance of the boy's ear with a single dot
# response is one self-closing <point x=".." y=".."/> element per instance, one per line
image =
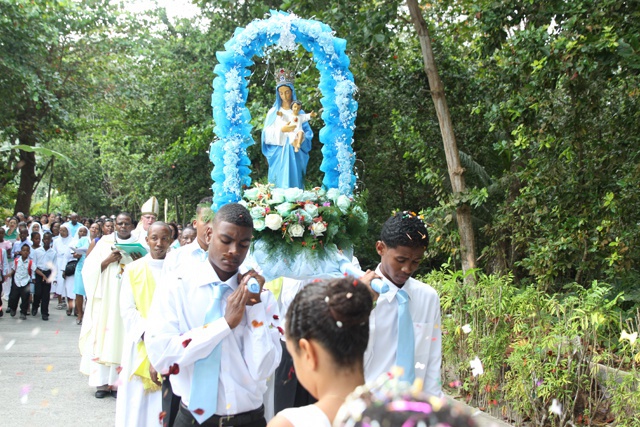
<point x="380" y="247"/>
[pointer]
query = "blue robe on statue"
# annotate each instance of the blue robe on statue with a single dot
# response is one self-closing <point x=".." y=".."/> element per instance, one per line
<point x="287" y="168"/>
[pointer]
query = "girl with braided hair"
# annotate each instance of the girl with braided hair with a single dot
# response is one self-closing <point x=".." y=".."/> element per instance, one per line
<point x="327" y="333"/>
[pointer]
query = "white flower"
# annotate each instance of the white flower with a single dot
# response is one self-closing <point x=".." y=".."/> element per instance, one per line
<point x="318" y="228"/>
<point x="293" y="194"/>
<point x="258" y="224"/>
<point x="343" y="203"/>
<point x="284" y="209"/>
<point x="277" y="196"/>
<point x="311" y="209"/>
<point x="466" y="328"/>
<point x="251" y="193"/>
<point x="476" y="367"/>
<point x="273" y="221"/>
<point x="310" y="196"/>
<point x="627" y="336"/>
<point x="296" y="230"/>
<point x="555" y="408"/>
<point x="257" y="212"/>
<point x="333" y="194"/>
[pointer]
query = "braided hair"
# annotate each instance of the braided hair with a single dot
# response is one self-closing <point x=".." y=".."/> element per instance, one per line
<point x="405" y="229"/>
<point x="335" y="313"/>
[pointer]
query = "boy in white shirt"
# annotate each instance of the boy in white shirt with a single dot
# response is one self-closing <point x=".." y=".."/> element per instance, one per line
<point x="45" y="258"/>
<point x="205" y="325"/>
<point x="403" y="241"/>
<point x="23" y="274"/>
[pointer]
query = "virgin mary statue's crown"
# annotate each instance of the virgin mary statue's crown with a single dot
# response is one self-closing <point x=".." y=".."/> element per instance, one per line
<point x="284" y="76"/>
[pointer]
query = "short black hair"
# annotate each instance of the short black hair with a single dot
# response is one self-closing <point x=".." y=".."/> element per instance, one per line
<point x="405" y="229"/>
<point x="161" y="224"/>
<point x="234" y="213"/>
<point x="127" y="214"/>
<point x="336" y="314"/>
<point x="33" y="233"/>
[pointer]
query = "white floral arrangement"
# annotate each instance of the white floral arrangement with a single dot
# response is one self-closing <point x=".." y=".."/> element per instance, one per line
<point x="291" y="221"/>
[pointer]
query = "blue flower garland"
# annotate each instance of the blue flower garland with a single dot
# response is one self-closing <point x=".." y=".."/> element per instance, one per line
<point x="232" y="118"/>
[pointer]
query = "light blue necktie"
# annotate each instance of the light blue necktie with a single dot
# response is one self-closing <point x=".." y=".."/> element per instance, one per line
<point x="206" y="372"/>
<point x="406" y="345"/>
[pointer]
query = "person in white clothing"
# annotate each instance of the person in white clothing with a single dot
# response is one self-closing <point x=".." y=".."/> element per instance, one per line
<point x="244" y="344"/>
<point x="195" y="250"/>
<point x="403" y="241"/>
<point x="327" y="334"/>
<point x="139" y="392"/>
<point x="102" y="334"/>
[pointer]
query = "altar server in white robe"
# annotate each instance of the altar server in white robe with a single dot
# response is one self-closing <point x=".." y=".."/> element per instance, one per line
<point x="102" y="333"/>
<point x="140" y="395"/>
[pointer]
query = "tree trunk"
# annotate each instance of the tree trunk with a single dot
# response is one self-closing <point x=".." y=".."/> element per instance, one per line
<point x="28" y="180"/>
<point x="463" y="212"/>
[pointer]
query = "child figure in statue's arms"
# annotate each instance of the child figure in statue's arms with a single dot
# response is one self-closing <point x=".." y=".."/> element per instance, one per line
<point x="296" y="119"/>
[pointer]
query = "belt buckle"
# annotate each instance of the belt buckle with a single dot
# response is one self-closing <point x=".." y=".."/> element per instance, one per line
<point x="221" y="421"/>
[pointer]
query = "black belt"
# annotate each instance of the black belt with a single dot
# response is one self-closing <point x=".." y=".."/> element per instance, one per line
<point x="229" y="420"/>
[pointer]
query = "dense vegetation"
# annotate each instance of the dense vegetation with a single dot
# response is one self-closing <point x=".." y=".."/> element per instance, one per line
<point x="545" y="99"/>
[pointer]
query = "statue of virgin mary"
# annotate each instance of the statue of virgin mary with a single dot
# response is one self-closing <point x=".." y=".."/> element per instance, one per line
<point x="287" y="168"/>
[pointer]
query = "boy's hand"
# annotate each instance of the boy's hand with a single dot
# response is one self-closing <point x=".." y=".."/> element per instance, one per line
<point x="243" y="279"/>
<point x="366" y="279"/>
<point x="235" y="306"/>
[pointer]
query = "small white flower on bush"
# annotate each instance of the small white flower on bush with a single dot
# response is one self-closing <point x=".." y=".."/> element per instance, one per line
<point x="318" y="228"/>
<point x="273" y="221"/>
<point x="258" y="224"/>
<point x="555" y="408"/>
<point x="476" y="367"/>
<point x="311" y="209"/>
<point x="343" y="203"/>
<point x="257" y="212"/>
<point x="296" y="230"/>
<point x="466" y="328"/>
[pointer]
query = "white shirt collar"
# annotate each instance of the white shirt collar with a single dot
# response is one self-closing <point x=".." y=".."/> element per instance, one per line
<point x="393" y="289"/>
<point x="207" y="275"/>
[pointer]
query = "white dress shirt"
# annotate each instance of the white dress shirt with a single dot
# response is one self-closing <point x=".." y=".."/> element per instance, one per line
<point x="22" y="276"/>
<point x="44" y="259"/>
<point x="424" y="306"/>
<point x="176" y="335"/>
<point x="175" y="257"/>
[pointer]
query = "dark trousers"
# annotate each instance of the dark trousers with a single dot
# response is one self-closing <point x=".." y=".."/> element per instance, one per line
<point x="170" y="403"/>
<point x="288" y="392"/>
<point x="19" y="293"/>
<point x="185" y="419"/>
<point x="42" y="291"/>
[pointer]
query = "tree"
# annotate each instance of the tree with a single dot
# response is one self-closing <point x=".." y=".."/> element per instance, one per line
<point x="46" y="49"/>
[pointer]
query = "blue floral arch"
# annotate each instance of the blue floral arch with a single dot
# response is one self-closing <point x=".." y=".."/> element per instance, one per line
<point x="231" y="170"/>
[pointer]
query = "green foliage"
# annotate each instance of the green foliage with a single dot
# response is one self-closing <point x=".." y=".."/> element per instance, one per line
<point x="534" y="347"/>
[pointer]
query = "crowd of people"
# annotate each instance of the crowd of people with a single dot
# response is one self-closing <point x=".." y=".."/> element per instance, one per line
<point x="170" y="327"/>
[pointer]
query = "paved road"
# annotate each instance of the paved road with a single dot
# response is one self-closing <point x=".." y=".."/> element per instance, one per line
<point x="41" y="384"/>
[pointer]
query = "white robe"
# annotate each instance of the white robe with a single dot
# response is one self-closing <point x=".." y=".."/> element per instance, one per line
<point x="134" y="406"/>
<point x="102" y="333"/>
